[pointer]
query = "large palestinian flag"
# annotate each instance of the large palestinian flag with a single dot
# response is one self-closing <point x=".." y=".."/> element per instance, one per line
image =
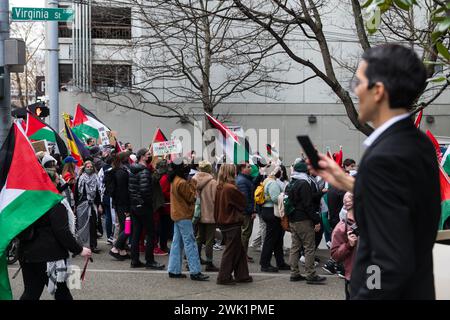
<point x="37" y="130"/>
<point x="235" y="148"/>
<point x="86" y="124"/>
<point x="26" y="194"/>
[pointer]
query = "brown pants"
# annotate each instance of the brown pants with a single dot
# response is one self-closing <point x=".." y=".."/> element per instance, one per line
<point x="234" y="258"/>
<point x="303" y="234"/>
<point x="247" y="229"/>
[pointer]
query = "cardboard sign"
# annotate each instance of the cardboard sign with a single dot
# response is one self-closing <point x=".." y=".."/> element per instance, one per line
<point x="167" y="147"/>
<point x="103" y="136"/>
<point x="40" y="145"/>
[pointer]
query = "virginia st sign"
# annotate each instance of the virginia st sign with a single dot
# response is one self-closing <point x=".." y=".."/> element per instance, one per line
<point x="41" y="14"/>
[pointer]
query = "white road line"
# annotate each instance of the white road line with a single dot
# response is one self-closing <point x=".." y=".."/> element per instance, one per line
<point x="281" y="275"/>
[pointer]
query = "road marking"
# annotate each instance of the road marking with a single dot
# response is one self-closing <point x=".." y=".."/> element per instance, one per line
<point x="281" y="275"/>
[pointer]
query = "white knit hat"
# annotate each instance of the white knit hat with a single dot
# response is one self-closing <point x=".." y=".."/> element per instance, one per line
<point x="47" y="158"/>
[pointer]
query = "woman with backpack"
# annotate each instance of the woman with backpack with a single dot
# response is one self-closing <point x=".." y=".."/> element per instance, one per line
<point x="273" y="242"/>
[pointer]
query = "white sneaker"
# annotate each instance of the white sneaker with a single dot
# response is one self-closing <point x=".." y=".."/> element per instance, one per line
<point x="217" y="247"/>
<point x="329" y="244"/>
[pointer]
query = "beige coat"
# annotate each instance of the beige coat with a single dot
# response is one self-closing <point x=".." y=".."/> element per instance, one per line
<point x="206" y="188"/>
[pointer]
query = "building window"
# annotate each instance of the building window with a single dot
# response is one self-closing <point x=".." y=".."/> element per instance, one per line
<point x="65" y="76"/>
<point x="111" y="77"/>
<point x="111" y="23"/>
<point x="63" y="27"/>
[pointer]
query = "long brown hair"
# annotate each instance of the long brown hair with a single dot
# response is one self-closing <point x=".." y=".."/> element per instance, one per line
<point x="227" y="174"/>
<point x="69" y="167"/>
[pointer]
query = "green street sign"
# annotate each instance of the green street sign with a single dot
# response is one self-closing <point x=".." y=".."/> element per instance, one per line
<point x="41" y="14"/>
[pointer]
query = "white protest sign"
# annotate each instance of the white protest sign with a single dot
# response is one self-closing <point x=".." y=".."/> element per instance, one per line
<point x="167" y="147"/>
<point x="103" y="136"/>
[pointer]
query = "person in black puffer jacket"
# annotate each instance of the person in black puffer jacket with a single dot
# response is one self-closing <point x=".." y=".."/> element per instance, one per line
<point x="48" y="240"/>
<point x="141" y="197"/>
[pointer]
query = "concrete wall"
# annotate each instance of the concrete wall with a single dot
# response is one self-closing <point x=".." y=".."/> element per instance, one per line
<point x="332" y="128"/>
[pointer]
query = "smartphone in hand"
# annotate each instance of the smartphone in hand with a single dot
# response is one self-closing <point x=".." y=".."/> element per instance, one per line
<point x="310" y="151"/>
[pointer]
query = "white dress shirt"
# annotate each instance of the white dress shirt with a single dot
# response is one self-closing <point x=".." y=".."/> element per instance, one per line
<point x="368" y="142"/>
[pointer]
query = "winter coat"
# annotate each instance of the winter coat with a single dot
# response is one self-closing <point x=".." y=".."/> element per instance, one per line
<point x="182" y="199"/>
<point x="165" y="187"/>
<point x="140" y="185"/>
<point x="301" y="196"/>
<point x="158" y="196"/>
<point x="271" y="190"/>
<point x="245" y="185"/>
<point x="341" y="251"/>
<point x="121" y="195"/>
<point x="49" y="238"/>
<point x="206" y="188"/>
<point x="229" y="205"/>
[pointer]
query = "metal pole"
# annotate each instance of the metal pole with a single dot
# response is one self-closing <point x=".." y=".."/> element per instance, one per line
<point x="5" y="96"/>
<point x="53" y="72"/>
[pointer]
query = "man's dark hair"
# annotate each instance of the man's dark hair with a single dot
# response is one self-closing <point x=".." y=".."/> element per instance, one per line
<point x="348" y="162"/>
<point x="89" y="140"/>
<point x="400" y="70"/>
<point x="126" y="145"/>
<point x="241" y="166"/>
<point x="141" y="153"/>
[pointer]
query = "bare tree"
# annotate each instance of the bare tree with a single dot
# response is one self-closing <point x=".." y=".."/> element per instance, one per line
<point x="277" y="17"/>
<point x="197" y="52"/>
<point x="25" y="82"/>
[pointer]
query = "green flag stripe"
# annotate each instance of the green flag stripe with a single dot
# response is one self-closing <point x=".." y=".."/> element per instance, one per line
<point x="44" y="134"/>
<point x="85" y="130"/>
<point x="445" y="213"/>
<point x="16" y="217"/>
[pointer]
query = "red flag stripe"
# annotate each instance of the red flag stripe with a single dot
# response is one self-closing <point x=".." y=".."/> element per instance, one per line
<point x="436" y="145"/>
<point x="418" y="119"/>
<point x="222" y="128"/>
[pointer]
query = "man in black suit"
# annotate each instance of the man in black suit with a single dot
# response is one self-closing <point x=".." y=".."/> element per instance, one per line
<point x="396" y="191"/>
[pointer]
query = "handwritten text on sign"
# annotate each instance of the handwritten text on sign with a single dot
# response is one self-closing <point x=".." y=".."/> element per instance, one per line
<point x="167" y="147"/>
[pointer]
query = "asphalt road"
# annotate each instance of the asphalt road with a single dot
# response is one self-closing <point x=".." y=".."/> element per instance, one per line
<point x="108" y="279"/>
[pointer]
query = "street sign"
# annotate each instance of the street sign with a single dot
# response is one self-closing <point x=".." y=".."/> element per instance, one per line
<point x="40" y="86"/>
<point x="41" y="14"/>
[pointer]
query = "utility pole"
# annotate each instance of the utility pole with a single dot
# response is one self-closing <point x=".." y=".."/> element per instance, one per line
<point x="5" y="95"/>
<point x="52" y="81"/>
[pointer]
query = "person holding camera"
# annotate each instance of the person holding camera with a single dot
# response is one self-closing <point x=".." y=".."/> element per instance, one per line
<point x="344" y="240"/>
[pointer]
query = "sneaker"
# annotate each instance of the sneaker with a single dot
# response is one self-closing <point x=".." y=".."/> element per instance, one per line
<point x="159" y="252"/>
<point x="329" y="267"/>
<point x="316" y="280"/>
<point x="199" y="277"/>
<point x="269" y="269"/>
<point x="110" y="240"/>
<point x="116" y="255"/>
<point x="137" y="264"/>
<point x="177" y="275"/>
<point x="154" y="265"/>
<point x="217" y="247"/>
<point x="329" y="244"/>
<point x="297" y="277"/>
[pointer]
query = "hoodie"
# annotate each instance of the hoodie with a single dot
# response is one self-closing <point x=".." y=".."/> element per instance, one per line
<point x="206" y="189"/>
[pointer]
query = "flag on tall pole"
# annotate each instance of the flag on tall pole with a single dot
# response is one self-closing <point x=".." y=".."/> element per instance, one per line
<point x="26" y="194"/>
<point x="37" y="130"/>
<point x="76" y="147"/>
<point x="86" y="125"/>
<point x="418" y="119"/>
<point x="235" y="150"/>
<point x="445" y="197"/>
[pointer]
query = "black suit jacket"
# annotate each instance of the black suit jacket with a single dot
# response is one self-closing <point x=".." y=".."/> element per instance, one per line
<point x="397" y="210"/>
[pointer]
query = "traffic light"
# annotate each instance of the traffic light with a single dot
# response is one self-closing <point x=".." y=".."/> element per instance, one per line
<point x="39" y="109"/>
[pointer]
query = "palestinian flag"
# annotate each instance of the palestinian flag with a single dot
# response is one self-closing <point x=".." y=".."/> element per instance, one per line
<point x="338" y="157"/>
<point x="435" y="144"/>
<point x="37" y="130"/>
<point x="159" y="136"/>
<point x="418" y="119"/>
<point x="86" y="125"/>
<point x="26" y="194"/>
<point x="445" y="162"/>
<point x="236" y="151"/>
<point x="445" y="197"/>
<point x="76" y="147"/>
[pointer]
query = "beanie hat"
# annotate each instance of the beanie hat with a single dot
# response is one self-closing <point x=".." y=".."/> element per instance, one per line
<point x="205" y="166"/>
<point x="70" y="159"/>
<point x="300" y="165"/>
<point x="46" y="159"/>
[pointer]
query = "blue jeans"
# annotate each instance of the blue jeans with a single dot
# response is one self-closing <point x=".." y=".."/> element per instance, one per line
<point x="183" y="237"/>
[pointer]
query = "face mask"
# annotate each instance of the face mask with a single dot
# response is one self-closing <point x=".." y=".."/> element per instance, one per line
<point x="89" y="171"/>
